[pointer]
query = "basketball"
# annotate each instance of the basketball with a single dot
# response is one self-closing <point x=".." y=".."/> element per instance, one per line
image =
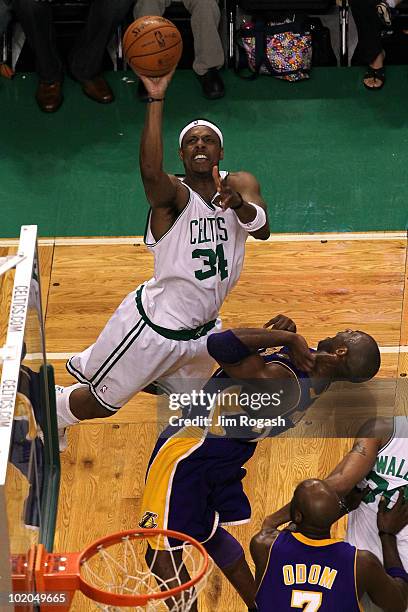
<point x="152" y="46"/>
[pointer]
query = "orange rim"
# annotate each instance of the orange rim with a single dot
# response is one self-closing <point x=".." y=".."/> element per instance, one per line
<point x="128" y="600"/>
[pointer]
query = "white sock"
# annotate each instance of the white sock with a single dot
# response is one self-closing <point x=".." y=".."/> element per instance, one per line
<point x="65" y="418"/>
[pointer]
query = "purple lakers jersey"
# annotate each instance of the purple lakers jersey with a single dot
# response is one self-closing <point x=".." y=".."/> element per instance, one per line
<point x="237" y="426"/>
<point x="309" y="575"/>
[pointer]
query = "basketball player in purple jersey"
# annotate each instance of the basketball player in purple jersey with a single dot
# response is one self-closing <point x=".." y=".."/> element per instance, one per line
<point x="194" y="480"/>
<point x="306" y="569"/>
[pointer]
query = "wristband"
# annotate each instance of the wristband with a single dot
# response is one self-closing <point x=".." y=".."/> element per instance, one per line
<point x="258" y="222"/>
<point x="226" y="347"/>
<point x="149" y="100"/>
<point x="397" y="572"/>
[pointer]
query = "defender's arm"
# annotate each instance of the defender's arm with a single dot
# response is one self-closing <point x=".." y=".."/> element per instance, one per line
<point x="362" y="457"/>
<point x="259" y="548"/>
<point x="387" y="592"/>
<point x="235" y="350"/>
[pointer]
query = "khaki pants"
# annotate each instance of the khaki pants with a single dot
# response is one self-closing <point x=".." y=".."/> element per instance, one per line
<point x="205" y="18"/>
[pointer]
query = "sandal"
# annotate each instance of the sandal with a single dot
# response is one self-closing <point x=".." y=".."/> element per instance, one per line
<point x="374" y="73"/>
<point x="386" y="13"/>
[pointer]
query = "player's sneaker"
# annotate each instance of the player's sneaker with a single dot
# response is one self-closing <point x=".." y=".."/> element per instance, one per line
<point x="386" y="13"/>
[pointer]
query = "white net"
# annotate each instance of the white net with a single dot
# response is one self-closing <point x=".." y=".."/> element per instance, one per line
<point x="124" y="568"/>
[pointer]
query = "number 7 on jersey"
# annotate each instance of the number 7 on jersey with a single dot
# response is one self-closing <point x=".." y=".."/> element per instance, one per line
<point x="308" y="601"/>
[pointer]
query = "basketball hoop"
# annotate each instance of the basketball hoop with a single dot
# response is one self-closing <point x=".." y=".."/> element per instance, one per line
<point x="113" y="571"/>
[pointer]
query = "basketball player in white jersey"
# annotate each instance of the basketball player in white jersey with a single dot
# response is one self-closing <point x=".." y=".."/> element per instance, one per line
<point x="378" y="461"/>
<point x="196" y="229"/>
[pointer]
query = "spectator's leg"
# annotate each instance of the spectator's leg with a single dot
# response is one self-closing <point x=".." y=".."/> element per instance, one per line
<point x="150" y="7"/>
<point x="209" y="53"/>
<point x="5" y="16"/>
<point x="144" y="8"/>
<point x="205" y="19"/>
<point x="87" y="55"/>
<point x="369" y="47"/>
<point x="36" y="20"/>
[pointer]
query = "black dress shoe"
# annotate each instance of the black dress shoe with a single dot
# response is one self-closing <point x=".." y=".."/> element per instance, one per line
<point x="212" y="84"/>
<point x="98" y="89"/>
<point x="49" y="96"/>
<point x="142" y="91"/>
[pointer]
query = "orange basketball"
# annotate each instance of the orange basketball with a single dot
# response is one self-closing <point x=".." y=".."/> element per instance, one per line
<point x="152" y="46"/>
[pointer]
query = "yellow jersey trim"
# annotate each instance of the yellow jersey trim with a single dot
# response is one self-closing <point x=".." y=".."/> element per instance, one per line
<point x="360" y="607"/>
<point x="317" y="543"/>
<point x="159" y="481"/>
<point x="267" y="565"/>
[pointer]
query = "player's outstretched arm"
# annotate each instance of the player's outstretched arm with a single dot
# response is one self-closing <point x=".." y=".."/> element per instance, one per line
<point x="387" y="586"/>
<point x="362" y="457"/>
<point x="240" y="191"/>
<point x="353" y="468"/>
<point x="162" y="190"/>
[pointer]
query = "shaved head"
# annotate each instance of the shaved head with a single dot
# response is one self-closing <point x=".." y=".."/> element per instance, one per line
<point x="363" y="359"/>
<point x="358" y="354"/>
<point x="315" y="504"/>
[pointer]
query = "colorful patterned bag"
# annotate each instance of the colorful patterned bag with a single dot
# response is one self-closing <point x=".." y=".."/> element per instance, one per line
<point x="282" y="49"/>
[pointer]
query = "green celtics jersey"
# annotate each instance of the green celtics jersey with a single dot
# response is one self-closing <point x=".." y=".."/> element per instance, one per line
<point x="196" y="264"/>
<point x="388" y="476"/>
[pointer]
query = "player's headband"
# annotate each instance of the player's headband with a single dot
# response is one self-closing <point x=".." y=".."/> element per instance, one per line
<point x="198" y="122"/>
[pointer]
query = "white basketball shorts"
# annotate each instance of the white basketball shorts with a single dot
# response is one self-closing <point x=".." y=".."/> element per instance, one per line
<point x="129" y="354"/>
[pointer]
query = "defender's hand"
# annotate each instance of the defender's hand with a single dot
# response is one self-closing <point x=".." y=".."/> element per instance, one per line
<point x="281" y="322"/>
<point x="353" y="499"/>
<point x="392" y="521"/>
<point x="227" y="197"/>
<point x="300" y="354"/>
<point x="156" y="86"/>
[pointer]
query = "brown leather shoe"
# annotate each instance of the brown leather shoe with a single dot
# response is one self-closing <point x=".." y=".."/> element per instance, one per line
<point x="49" y="96"/>
<point x="98" y="89"/>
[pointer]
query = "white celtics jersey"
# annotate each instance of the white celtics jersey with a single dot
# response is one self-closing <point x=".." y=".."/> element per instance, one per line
<point x="388" y="476"/>
<point x="196" y="264"/>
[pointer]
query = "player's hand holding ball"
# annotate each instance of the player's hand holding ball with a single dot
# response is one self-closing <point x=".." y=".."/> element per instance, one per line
<point x="152" y="48"/>
<point x="156" y="86"/>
